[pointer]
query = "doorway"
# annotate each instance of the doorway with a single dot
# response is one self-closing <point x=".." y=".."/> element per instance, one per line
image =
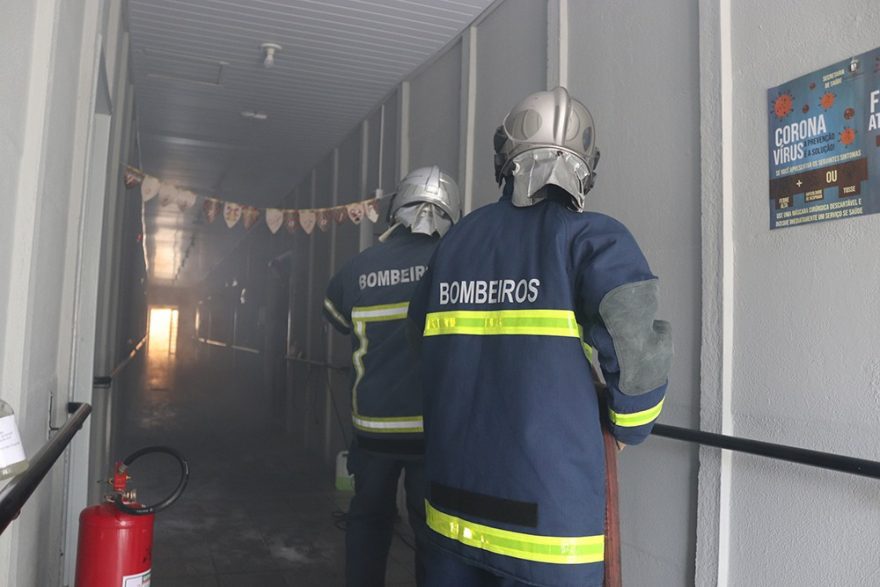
<point x="161" y="346"/>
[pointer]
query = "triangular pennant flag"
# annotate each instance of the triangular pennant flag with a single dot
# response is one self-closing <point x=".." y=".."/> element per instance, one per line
<point x="291" y="217"/>
<point x="274" y="219"/>
<point x="324" y="218"/>
<point x="167" y="193"/>
<point x="250" y="215"/>
<point x="307" y="220"/>
<point x="211" y="207"/>
<point x="372" y="210"/>
<point x="131" y="178"/>
<point x="150" y="187"/>
<point x="231" y="213"/>
<point x="355" y="212"/>
<point x="340" y="213"/>
<point x="185" y="199"/>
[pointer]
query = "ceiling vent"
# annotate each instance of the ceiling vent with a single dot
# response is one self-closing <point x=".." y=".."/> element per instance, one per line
<point x="182" y="67"/>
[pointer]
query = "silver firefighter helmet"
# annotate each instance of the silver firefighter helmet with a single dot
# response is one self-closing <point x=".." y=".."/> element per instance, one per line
<point x="426" y="201"/>
<point x="548" y="138"/>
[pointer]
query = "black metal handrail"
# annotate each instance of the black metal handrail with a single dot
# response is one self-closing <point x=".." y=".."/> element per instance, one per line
<point x="823" y="460"/>
<point x="107" y="380"/>
<point x="19" y="489"/>
<point x="323" y="364"/>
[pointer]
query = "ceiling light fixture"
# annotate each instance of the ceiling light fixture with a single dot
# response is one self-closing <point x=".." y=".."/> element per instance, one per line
<point x="269" y="50"/>
<point x="254" y="115"/>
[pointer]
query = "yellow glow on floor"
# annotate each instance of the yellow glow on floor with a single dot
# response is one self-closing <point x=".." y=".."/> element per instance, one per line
<point x="161" y="346"/>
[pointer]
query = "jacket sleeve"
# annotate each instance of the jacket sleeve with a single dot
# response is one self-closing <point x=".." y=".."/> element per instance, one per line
<point x="337" y="310"/>
<point x="617" y="297"/>
<point x="418" y="308"/>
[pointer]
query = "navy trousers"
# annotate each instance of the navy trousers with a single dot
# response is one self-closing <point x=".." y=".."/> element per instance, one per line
<point x="370" y="519"/>
<point x="447" y="570"/>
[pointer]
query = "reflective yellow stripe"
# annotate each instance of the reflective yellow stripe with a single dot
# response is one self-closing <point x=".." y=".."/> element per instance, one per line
<point x="360" y="316"/>
<point x="636" y="418"/>
<point x="563" y="550"/>
<point x="400" y="424"/>
<point x="335" y="313"/>
<point x="588" y="350"/>
<point x="485" y="323"/>
<point x="357" y="359"/>
<point x="382" y="313"/>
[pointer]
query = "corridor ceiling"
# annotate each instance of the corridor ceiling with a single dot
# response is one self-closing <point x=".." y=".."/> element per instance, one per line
<point x="198" y="65"/>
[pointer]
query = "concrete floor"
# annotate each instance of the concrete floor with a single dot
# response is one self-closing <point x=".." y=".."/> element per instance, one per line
<point x="256" y="512"/>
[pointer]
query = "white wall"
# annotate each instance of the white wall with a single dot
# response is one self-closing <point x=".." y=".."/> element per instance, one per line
<point x="51" y="222"/>
<point x="17" y="30"/>
<point x="803" y="368"/>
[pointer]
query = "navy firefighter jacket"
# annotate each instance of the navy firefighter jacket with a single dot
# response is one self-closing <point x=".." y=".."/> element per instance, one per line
<point x="368" y="298"/>
<point x="513" y="442"/>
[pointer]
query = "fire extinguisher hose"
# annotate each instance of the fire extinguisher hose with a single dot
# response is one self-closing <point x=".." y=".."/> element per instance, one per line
<point x="168" y="501"/>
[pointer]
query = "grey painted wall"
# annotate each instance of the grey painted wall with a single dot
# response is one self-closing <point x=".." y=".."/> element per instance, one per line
<point x="511" y="64"/>
<point x="644" y="95"/>
<point x="806" y="369"/>
<point x="435" y="112"/>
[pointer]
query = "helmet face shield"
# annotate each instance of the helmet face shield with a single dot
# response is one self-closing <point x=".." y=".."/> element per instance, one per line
<point x="424" y="218"/>
<point x="534" y="169"/>
<point x="426" y="185"/>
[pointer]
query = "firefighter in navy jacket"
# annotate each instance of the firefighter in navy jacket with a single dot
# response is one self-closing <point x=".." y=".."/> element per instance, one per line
<point x="368" y="298"/>
<point x="513" y="295"/>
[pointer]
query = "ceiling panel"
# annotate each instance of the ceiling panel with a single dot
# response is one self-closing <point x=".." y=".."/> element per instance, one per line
<point x="197" y="65"/>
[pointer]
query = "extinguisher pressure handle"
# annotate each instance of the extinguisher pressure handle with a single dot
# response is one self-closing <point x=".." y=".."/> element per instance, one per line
<point x="168" y="501"/>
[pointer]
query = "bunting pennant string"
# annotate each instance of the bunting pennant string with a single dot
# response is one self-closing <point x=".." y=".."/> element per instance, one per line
<point x="291" y="219"/>
<point x="211" y="207"/>
<point x="274" y="219"/>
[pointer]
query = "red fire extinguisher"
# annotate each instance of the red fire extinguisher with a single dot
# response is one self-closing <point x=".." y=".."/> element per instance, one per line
<point x="116" y="537"/>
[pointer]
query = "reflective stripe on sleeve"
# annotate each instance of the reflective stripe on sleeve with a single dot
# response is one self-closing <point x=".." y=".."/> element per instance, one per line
<point x="563" y="550"/>
<point x="502" y="322"/>
<point x="335" y="313"/>
<point x="636" y="418"/>
<point x="381" y="313"/>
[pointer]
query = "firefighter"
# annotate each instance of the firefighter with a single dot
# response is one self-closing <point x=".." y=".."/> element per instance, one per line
<point x="368" y="298"/>
<point x="513" y="441"/>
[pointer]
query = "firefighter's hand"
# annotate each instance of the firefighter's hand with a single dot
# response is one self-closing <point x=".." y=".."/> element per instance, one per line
<point x="620" y="446"/>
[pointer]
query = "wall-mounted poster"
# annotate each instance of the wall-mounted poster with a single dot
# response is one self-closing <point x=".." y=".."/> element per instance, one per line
<point x="825" y="144"/>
